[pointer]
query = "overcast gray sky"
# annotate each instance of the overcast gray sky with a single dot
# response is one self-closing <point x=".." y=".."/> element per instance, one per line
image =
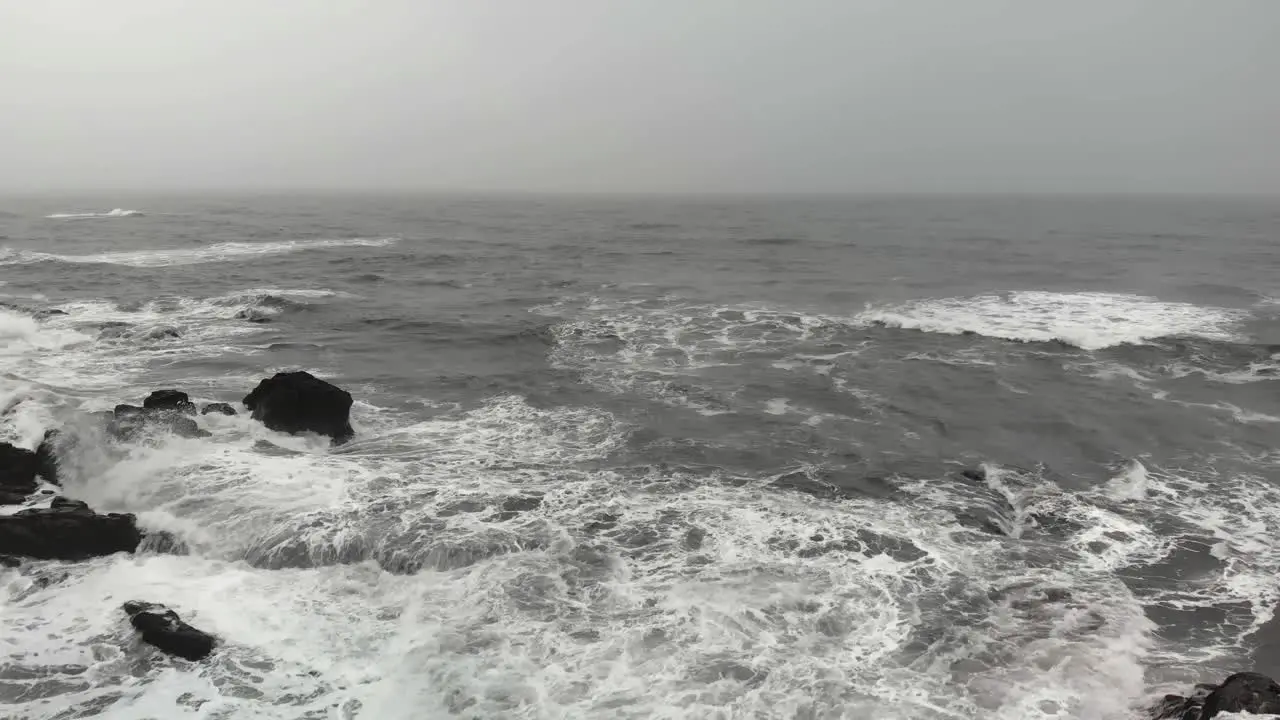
<point x="642" y="95"/>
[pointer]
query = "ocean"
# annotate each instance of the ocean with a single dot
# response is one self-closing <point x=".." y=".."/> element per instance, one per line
<point x="656" y="457"/>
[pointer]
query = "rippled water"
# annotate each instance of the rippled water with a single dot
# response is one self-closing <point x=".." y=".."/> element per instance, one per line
<point x="657" y="457"/>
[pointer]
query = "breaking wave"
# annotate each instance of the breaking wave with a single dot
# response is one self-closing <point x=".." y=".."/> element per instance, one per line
<point x="1087" y="320"/>
<point x="221" y="252"/>
<point x="116" y="213"/>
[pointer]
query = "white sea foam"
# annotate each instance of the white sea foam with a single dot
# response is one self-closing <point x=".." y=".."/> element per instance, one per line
<point x="784" y="606"/>
<point x="1131" y="483"/>
<point x="72" y="352"/>
<point x="673" y="351"/>
<point x="492" y="562"/>
<point x="1086" y="320"/>
<point x="116" y="213"/>
<point x="167" y="257"/>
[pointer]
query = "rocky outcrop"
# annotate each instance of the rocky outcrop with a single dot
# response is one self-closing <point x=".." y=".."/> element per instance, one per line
<point x="128" y="421"/>
<point x="300" y="402"/>
<point x="169" y="400"/>
<point x="67" y="530"/>
<point x="220" y="408"/>
<point x="1243" y="692"/>
<point x="18" y="469"/>
<point x="1177" y="707"/>
<point x="162" y="628"/>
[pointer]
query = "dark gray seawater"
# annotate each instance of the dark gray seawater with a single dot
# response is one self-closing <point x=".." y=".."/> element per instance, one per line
<point x="633" y="458"/>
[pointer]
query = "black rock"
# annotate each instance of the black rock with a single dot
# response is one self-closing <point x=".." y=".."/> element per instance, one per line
<point x="1177" y="707"/>
<point x="10" y="561"/>
<point x="18" y="469"/>
<point x="67" y="530"/>
<point x="169" y="400"/>
<point x="218" y="407"/>
<point x="186" y="427"/>
<point x="1243" y="692"/>
<point x="47" y="457"/>
<point x="128" y="411"/>
<point x="162" y="628"/>
<point x="8" y="497"/>
<point x="298" y="402"/>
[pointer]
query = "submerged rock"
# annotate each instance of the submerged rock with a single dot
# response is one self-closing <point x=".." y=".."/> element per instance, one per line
<point x="18" y="469"/>
<point x="163" y="542"/>
<point x="1177" y="707"/>
<point x="67" y="530"/>
<point x="162" y="628"/>
<point x="254" y="315"/>
<point x="169" y="400"/>
<point x="1243" y="692"/>
<point x="218" y="407"/>
<point x="127" y="421"/>
<point x="298" y="402"/>
<point x="163" y="333"/>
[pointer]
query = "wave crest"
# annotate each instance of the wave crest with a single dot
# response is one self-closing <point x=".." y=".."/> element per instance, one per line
<point x="116" y="213"/>
<point x="168" y="257"/>
<point x="1087" y="320"/>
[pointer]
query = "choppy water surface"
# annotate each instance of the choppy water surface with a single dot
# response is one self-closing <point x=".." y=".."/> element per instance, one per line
<point x="635" y="458"/>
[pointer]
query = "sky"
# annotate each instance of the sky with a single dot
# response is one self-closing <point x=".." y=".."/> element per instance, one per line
<point x="665" y="96"/>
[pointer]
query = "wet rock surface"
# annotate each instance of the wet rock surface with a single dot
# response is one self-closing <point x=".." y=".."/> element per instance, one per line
<point x="296" y="402"/>
<point x="165" y="630"/>
<point x="1245" y="692"/>
<point x="67" y="530"/>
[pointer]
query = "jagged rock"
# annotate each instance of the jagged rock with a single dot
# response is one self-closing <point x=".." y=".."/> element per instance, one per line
<point x="298" y="401"/>
<point x="47" y="457"/>
<point x="169" y="400"/>
<point x="10" y="561"/>
<point x="162" y="628"/>
<point x="1242" y="692"/>
<point x="218" y="407"/>
<point x="18" y="468"/>
<point x="67" y="530"/>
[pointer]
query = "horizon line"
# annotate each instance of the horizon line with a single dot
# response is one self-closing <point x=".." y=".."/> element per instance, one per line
<point x="470" y="192"/>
